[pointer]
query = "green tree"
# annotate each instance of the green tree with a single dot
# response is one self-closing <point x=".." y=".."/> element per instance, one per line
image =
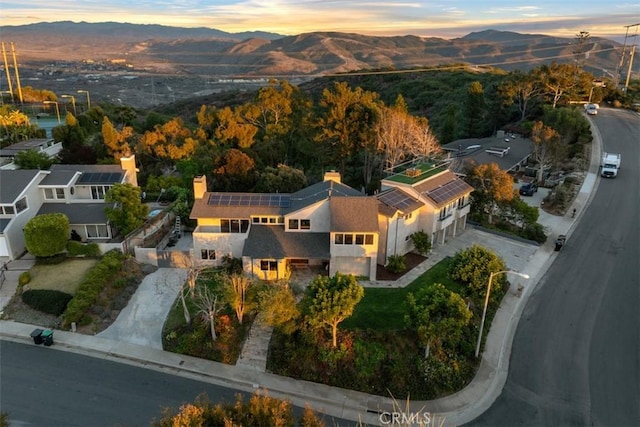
<point x="283" y="179"/>
<point x="330" y="300"/>
<point x="557" y="80"/>
<point x="473" y="266"/>
<point x="32" y="159"/>
<point x="474" y="110"/>
<point x="548" y="149"/>
<point x="47" y="234"/>
<point x="437" y="315"/>
<point x="521" y="89"/>
<point x="278" y="307"/>
<point x="129" y="212"/>
<point x="492" y="185"/>
<point x="421" y="242"/>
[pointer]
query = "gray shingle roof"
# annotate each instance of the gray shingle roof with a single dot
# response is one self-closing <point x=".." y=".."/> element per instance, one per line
<point x="319" y="191"/>
<point x="13" y="182"/>
<point x="273" y="242"/>
<point x="59" y="178"/>
<point x="354" y="214"/>
<point x="78" y="213"/>
<point x="3" y="223"/>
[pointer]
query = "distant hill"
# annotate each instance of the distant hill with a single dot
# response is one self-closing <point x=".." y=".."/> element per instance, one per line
<point x="204" y="51"/>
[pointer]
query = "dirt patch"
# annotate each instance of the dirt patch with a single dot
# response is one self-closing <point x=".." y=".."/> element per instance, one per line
<point x="412" y="259"/>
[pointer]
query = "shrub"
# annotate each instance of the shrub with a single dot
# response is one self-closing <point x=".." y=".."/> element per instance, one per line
<point x="75" y="248"/>
<point x="51" y="260"/>
<point x="534" y="232"/>
<point x="421" y="242"/>
<point x="47" y="300"/>
<point x="24" y="278"/>
<point x="397" y="264"/>
<point x="46" y="235"/>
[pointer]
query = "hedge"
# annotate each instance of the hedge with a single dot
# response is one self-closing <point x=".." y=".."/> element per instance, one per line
<point x="91" y="286"/>
<point x="47" y="300"/>
<point x="77" y="249"/>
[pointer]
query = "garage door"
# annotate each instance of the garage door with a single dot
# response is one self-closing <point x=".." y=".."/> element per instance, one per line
<point x="350" y="265"/>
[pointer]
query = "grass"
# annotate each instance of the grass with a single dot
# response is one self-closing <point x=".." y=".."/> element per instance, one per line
<point x="383" y="308"/>
<point x="426" y="170"/>
<point x="64" y="277"/>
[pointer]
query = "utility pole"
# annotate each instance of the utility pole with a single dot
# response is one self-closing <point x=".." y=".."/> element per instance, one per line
<point x="7" y="70"/>
<point x="15" y="69"/>
<point x="623" y="54"/>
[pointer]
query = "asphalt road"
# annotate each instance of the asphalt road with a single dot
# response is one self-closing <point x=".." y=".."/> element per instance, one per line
<point x="576" y="354"/>
<point x="46" y="387"/>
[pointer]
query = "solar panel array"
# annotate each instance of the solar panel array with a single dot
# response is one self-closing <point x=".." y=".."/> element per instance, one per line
<point x="276" y="200"/>
<point x="399" y="200"/>
<point x="448" y="191"/>
<point x="100" y="177"/>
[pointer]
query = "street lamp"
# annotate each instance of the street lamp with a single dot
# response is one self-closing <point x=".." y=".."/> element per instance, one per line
<point x="57" y="108"/>
<point x="595" y="83"/>
<point x="88" y="98"/>
<point x="486" y="302"/>
<point x="73" y="102"/>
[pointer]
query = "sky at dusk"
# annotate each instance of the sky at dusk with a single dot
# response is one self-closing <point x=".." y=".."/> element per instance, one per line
<point x="441" y="18"/>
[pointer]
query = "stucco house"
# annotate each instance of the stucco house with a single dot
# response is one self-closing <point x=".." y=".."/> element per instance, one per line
<point x="78" y="191"/>
<point x="328" y="223"/>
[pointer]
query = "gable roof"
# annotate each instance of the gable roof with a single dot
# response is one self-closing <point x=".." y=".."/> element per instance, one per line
<point x="354" y="214"/>
<point x="395" y="200"/>
<point x="272" y="241"/>
<point x="14" y="182"/>
<point x="320" y="191"/>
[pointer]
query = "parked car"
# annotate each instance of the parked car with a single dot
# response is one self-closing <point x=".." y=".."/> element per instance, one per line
<point x="528" y="189"/>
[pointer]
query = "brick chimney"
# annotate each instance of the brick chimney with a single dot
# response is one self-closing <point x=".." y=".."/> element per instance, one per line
<point x="199" y="186"/>
<point x="332" y="176"/>
<point x="128" y="165"/>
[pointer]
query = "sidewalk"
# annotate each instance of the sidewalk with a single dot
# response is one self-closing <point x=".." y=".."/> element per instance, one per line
<point x="248" y="374"/>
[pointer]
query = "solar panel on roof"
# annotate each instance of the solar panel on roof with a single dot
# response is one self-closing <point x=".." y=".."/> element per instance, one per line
<point x="398" y="200"/>
<point x="278" y="200"/>
<point x="447" y="191"/>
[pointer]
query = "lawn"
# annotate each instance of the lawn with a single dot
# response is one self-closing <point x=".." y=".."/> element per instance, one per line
<point x="383" y="308"/>
<point x="64" y="277"/>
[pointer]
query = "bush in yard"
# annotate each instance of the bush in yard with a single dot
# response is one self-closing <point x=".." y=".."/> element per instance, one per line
<point x="421" y="242"/>
<point x="47" y="300"/>
<point x="24" y="278"/>
<point x="75" y="248"/>
<point x="473" y="266"/>
<point x="91" y="286"/>
<point x="396" y="264"/>
<point x="46" y="235"/>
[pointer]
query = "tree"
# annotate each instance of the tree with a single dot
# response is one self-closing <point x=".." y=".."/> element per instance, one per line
<point x="129" y="212"/>
<point x="32" y="159"/>
<point x="474" y="109"/>
<point x="283" y="179"/>
<point x="437" y="315"/>
<point x="491" y="185"/>
<point x="421" y="242"/>
<point x="278" y="307"/>
<point x="557" y="79"/>
<point x="523" y="88"/>
<point x="234" y="171"/>
<point x="208" y="303"/>
<point x="331" y="300"/>
<point x="473" y="266"/>
<point x="47" y="234"/>
<point x="547" y="147"/>
<point x="236" y="292"/>
<point x="117" y="142"/>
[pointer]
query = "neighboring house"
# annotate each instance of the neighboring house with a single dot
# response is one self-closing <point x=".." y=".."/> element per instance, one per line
<point x="328" y="223"/>
<point x="44" y="145"/>
<point x="510" y="152"/>
<point x="424" y="197"/>
<point x="77" y="191"/>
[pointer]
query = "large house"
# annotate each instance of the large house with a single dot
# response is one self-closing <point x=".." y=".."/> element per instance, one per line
<point x="77" y="191"/>
<point x="328" y="223"/>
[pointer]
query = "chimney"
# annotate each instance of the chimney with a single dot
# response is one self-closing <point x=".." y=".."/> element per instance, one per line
<point x="199" y="186"/>
<point x="332" y="176"/>
<point x="128" y="165"/>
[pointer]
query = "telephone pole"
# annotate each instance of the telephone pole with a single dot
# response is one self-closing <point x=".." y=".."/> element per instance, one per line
<point x="624" y="57"/>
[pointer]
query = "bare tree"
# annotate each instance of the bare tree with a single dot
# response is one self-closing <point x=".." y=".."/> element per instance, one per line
<point x="236" y="293"/>
<point x="424" y="142"/>
<point x="207" y="301"/>
<point x="547" y="148"/>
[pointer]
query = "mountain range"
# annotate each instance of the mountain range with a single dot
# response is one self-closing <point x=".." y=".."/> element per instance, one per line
<point x="210" y="52"/>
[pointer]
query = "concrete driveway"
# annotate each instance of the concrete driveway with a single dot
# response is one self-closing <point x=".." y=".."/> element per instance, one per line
<point x="141" y="321"/>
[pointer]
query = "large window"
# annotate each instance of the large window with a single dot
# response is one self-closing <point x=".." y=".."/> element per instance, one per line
<point x="234" y="225"/>
<point x="209" y="254"/>
<point x="98" y="191"/>
<point x="98" y="231"/>
<point x="54" y="193"/>
<point x="269" y="265"/>
<point x="351" y="239"/>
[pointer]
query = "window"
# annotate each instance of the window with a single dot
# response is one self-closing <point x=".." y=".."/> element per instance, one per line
<point x="255" y="220"/>
<point x="280" y="220"/>
<point x="48" y="193"/>
<point x="54" y="193"/>
<point x="21" y="205"/>
<point x="60" y="193"/>
<point x="293" y="224"/>
<point x="339" y="239"/>
<point x="368" y="239"/>
<point x="269" y="265"/>
<point x="348" y="239"/>
<point x="98" y="191"/>
<point x="209" y="254"/>
<point x="234" y="225"/>
<point x="407" y="216"/>
<point x="272" y="220"/>
<point x="461" y="202"/>
<point x="7" y="210"/>
<point x="305" y="224"/>
<point x="359" y="239"/>
<point x="98" y="231"/>
<point x="264" y="220"/>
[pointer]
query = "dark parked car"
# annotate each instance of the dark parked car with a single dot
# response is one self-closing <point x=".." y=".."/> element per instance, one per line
<point x="528" y="189"/>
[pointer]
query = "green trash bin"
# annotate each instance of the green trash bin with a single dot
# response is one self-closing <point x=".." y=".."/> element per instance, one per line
<point x="47" y="337"/>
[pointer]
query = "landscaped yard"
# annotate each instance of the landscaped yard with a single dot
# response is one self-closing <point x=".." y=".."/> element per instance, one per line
<point x="64" y="277"/>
